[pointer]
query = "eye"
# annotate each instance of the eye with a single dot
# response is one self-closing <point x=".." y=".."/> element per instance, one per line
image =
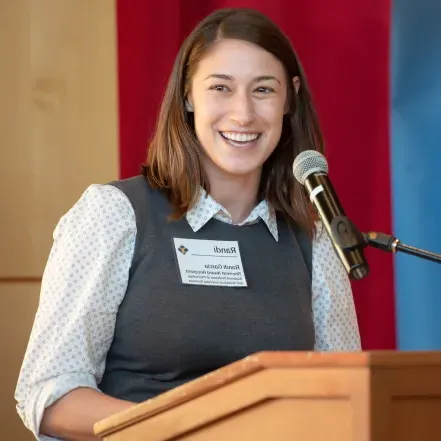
<point x="219" y="88"/>
<point x="264" y="90"/>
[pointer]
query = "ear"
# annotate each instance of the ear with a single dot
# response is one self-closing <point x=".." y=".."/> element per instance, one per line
<point x="189" y="103"/>
<point x="296" y="82"/>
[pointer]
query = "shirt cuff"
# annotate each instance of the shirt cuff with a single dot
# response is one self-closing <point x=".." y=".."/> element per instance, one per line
<point x="46" y="394"/>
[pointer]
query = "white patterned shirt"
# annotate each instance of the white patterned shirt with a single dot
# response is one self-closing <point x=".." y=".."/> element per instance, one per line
<point x="85" y="281"/>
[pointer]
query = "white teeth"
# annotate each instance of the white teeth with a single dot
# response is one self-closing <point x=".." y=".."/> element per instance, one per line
<point x="241" y="137"/>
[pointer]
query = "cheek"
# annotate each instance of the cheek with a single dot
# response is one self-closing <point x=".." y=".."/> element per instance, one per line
<point x="272" y="113"/>
<point x="207" y="108"/>
<point x="206" y="116"/>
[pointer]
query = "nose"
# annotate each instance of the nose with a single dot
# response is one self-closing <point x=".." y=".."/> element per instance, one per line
<point x="242" y="109"/>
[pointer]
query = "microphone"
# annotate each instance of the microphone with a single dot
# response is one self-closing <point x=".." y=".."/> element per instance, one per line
<point x="310" y="168"/>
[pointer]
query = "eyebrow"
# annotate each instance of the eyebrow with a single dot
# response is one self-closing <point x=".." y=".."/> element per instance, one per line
<point x="231" y="78"/>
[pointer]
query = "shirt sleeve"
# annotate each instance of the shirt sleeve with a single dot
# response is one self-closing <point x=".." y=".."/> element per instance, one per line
<point x="83" y="284"/>
<point x="335" y="319"/>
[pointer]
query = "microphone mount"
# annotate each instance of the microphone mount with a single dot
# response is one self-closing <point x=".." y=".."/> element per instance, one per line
<point x="347" y="236"/>
<point x="386" y="242"/>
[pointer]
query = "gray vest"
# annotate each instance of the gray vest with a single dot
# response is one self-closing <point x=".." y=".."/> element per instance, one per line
<point x="168" y="333"/>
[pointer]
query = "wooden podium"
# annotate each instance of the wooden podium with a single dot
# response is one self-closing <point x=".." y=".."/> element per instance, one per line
<point x="296" y="396"/>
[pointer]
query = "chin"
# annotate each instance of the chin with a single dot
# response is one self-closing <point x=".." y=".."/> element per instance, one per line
<point x="239" y="169"/>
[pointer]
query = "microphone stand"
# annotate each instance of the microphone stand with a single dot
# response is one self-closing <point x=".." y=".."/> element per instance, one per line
<point x="390" y="243"/>
<point x="346" y="236"/>
<point x="349" y="238"/>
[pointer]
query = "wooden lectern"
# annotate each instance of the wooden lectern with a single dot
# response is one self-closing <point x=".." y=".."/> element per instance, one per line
<point x="296" y="396"/>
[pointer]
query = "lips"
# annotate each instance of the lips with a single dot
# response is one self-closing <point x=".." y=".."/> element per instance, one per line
<point x="238" y="138"/>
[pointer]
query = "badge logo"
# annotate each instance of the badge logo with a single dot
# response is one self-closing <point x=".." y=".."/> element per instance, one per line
<point x="183" y="250"/>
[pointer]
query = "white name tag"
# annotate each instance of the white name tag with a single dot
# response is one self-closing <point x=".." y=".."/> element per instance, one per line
<point x="209" y="262"/>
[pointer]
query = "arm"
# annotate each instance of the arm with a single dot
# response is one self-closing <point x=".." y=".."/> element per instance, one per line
<point x="72" y="417"/>
<point x="335" y="319"/>
<point x="83" y="285"/>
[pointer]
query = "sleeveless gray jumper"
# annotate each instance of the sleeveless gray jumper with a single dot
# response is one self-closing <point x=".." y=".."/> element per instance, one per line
<point x="168" y="333"/>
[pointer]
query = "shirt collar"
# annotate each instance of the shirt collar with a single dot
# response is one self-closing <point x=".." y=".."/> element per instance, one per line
<point x="207" y="208"/>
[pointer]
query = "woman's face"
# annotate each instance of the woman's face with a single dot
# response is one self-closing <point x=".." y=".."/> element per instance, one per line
<point x="238" y="96"/>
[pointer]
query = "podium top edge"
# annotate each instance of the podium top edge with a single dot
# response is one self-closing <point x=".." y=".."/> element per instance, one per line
<point x="344" y="359"/>
<point x="261" y="361"/>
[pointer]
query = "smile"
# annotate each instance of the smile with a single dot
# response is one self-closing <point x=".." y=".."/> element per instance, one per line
<point x="236" y="138"/>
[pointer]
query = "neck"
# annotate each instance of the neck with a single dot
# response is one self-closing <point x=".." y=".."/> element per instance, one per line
<point x="237" y="194"/>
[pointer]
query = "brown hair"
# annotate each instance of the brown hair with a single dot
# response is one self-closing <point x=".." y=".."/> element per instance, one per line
<point x="173" y="159"/>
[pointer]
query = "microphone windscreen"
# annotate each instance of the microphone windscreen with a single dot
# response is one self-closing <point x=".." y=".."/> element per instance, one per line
<point x="307" y="162"/>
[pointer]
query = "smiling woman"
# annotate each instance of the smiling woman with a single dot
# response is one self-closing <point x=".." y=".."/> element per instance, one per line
<point x="239" y="110"/>
<point x="212" y="254"/>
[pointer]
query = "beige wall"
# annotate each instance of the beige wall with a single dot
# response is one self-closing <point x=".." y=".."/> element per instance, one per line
<point x="58" y="134"/>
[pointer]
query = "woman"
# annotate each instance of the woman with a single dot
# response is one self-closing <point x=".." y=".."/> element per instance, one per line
<point x="211" y="255"/>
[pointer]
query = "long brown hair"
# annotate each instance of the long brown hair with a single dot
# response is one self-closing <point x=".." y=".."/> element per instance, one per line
<point x="174" y="155"/>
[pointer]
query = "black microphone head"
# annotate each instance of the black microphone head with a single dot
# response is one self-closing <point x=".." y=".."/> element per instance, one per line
<point x="307" y="162"/>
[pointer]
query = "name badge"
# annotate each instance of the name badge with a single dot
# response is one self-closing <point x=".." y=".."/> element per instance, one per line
<point x="209" y="262"/>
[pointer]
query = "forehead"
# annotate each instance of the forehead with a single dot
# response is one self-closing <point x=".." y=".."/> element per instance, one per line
<point x="239" y="59"/>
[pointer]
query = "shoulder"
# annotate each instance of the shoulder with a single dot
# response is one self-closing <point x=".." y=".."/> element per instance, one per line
<point x="139" y="192"/>
<point x="102" y="198"/>
<point x="324" y="253"/>
<point x="134" y="183"/>
<point x="321" y="240"/>
<point x="328" y="269"/>
<point x="98" y="204"/>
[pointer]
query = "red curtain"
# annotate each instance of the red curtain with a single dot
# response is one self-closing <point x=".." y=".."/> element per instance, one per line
<point x="344" y="48"/>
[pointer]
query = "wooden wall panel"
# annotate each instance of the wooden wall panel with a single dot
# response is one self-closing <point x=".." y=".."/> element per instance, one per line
<point x="59" y="120"/>
<point x="19" y="302"/>
<point x="16" y="174"/>
<point x="58" y="134"/>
